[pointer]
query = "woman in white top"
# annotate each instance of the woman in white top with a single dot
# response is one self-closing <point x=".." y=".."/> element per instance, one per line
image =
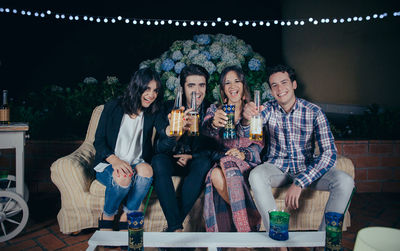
<point x="123" y="146"/>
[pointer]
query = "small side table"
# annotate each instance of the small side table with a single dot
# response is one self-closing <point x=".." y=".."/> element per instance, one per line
<point x="13" y="136"/>
<point x="13" y="208"/>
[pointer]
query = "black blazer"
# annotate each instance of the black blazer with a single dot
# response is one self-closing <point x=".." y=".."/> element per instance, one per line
<point x="108" y="129"/>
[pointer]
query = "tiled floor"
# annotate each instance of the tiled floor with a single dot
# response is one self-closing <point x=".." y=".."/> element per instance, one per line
<point x="42" y="231"/>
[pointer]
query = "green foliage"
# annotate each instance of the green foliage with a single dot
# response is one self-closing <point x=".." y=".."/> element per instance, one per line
<point x="64" y="113"/>
<point x="377" y="122"/>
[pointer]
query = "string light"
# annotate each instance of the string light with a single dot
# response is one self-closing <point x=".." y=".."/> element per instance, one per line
<point x="205" y="23"/>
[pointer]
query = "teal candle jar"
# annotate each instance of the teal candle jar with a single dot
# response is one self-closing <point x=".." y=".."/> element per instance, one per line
<point x="279" y="225"/>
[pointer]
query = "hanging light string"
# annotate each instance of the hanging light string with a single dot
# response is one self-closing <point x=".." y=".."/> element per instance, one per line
<point x="184" y="23"/>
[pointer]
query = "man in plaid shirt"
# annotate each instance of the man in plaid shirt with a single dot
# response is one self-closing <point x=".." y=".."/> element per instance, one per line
<point x="292" y="127"/>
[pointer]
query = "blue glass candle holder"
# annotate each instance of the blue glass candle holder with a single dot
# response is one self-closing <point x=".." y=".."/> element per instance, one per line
<point x="229" y="131"/>
<point x="333" y="231"/>
<point x="135" y="231"/>
<point x="279" y="225"/>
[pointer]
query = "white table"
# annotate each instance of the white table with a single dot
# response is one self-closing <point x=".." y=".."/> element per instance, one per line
<point x="208" y="240"/>
<point x="13" y="136"/>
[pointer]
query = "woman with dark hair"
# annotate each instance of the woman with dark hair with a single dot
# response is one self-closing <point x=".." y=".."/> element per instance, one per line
<point x="123" y="146"/>
<point x="228" y="204"/>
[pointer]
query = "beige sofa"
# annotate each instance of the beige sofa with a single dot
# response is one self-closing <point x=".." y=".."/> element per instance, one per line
<point x="82" y="197"/>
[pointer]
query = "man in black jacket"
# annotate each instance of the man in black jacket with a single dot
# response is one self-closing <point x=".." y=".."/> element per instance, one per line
<point x="184" y="155"/>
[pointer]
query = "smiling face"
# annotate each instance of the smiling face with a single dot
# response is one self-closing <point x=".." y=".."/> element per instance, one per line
<point x="233" y="87"/>
<point x="150" y="94"/>
<point x="195" y="83"/>
<point x="282" y="88"/>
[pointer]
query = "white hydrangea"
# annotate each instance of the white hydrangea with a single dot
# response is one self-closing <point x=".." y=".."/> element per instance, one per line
<point x="199" y="59"/>
<point x="177" y="55"/>
<point x="228" y="56"/>
<point x="187" y="46"/>
<point x="172" y="83"/>
<point x="193" y="53"/>
<point x="90" y="80"/>
<point x="111" y="80"/>
<point x="144" y="64"/>
<point x="242" y="50"/>
<point x="225" y="39"/>
<point x="216" y="50"/>
<point x="210" y="67"/>
<point x="157" y="66"/>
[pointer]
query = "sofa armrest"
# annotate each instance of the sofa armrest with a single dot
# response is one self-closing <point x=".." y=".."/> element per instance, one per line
<point x="74" y="172"/>
<point x="345" y="164"/>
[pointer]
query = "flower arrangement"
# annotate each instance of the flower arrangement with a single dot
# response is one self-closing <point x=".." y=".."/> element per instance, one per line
<point x="214" y="53"/>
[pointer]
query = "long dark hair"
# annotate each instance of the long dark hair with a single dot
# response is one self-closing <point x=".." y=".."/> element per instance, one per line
<point x="239" y="72"/>
<point x="131" y="101"/>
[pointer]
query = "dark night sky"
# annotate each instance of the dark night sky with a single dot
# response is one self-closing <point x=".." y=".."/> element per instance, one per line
<point x="36" y="52"/>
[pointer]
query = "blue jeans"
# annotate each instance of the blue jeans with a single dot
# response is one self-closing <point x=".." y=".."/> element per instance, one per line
<point x="134" y="192"/>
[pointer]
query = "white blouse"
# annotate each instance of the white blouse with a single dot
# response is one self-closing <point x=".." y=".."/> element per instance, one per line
<point x="129" y="141"/>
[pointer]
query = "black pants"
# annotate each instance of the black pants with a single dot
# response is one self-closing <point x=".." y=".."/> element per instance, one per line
<point x="177" y="206"/>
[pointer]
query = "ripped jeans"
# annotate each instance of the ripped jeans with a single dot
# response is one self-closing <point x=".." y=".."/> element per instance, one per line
<point x="115" y="194"/>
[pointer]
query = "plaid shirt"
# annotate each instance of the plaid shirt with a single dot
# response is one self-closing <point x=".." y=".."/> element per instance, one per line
<point x="291" y="140"/>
